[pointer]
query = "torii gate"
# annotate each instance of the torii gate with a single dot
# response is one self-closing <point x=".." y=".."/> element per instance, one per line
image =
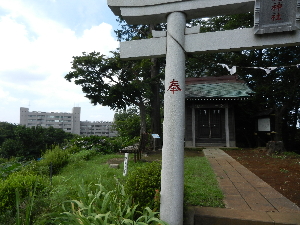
<point x="276" y="25"/>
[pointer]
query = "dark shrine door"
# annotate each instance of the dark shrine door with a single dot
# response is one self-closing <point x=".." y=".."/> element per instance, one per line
<point x="208" y="123"/>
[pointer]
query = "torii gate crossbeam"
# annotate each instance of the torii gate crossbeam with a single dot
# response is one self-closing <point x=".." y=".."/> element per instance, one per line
<point x="221" y="41"/>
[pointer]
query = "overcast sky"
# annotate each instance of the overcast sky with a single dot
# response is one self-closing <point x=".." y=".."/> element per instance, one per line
<point x="37" y="41"/>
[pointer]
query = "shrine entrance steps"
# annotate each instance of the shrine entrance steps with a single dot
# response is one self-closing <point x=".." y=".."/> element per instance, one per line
<point x="248" y="199"/>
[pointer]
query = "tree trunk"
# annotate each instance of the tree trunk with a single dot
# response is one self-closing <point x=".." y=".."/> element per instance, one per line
<point x="143" y="134"/>
<point x="155" y="102"/>
<point x="277" y="146"/>
<point x="278" y="123"/>
<point x="155" y="99"/>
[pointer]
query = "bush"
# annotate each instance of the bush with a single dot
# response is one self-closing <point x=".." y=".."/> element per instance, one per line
<point x="9" y="167"/>
<point x="144" y="185"/>
<point x="56" y="157"/>
<point x="25" y="183"/>
<point x="82" y="155"/>
<point x="2" y="160"/>
<point x="30" y="142"/>
<point x="103" y="145"/>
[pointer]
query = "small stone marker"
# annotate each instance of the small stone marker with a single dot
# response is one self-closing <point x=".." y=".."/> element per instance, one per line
<point x="115" y="166"/>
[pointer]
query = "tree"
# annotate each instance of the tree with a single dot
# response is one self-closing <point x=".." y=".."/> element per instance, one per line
<point x="6" y="131"/>
<point x="113" y="82"/>
<point x="127" y="123"/>
<point x="32" y="142"/>
<point x="279" y="89"/>
<point x="134" y="32"/>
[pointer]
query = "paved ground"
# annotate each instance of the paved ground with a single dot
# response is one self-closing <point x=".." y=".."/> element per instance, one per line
<point x="248" y="199"/>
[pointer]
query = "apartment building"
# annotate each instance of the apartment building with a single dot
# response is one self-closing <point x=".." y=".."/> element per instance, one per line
<point x="99" y="128"/>
<point x="69" y="122"/>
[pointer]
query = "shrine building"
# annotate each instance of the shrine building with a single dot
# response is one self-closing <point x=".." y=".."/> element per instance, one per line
<point x="210" y="110"/>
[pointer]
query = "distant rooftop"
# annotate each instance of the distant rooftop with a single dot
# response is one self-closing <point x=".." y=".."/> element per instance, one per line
<point x="228" y="87"/>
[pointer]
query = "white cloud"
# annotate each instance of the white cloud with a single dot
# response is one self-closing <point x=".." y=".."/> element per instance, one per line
<point x="36" y="53"/>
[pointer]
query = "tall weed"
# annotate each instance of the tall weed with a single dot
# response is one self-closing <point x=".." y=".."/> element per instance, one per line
<point x="104" y="207"/>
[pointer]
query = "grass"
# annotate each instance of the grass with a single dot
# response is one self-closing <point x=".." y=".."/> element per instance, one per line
<point x="201" y="187"/>
<point x="66" y="184"/>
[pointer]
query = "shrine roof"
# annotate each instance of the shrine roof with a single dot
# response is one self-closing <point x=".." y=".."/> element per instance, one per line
<point x="229" y="87"/>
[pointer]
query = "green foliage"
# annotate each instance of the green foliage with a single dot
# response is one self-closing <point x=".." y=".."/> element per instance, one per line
<point x="57" y="158"/>
<point x="127" y="79"/>
<point x="3" y="160"/>
<point x="24" y="219"/>
<point x="104" y="207"/>
<point x="143" y="183"/>
<point x="103" y="145"/>
<point x="6" y="131"/>
<point x="127" y="123"/>
<point x="25" y="183"/>
<point x="31" y="142"/>
<point x="11" y="148"/>
<point x="65" y="184"/>
<point x="200" y="184"/>
<point x="82" y="155"/>
<point x="10" y="167"/>
<point x="114" y="82"/>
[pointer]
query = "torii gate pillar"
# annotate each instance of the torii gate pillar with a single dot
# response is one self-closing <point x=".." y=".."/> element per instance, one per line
<point x="171" y="209"/>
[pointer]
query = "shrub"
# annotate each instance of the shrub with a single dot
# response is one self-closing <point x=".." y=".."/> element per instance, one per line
<point x="56" y="157"/>
<point x="2" y="160"/>
<point x="103" y="145"/>
<point x="25" y="183"/>
<point x="144" y="184"/>
<point x="9" y="167"/>
<point x="82" y="155"/>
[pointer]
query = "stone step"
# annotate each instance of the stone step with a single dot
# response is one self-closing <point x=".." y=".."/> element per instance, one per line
<point x="223" y="216"/>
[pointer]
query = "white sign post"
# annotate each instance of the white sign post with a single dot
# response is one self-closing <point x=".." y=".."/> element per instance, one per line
<point x="125" y="164"/>
<point x="173" y="44"/>
<point x="155" y="136"/>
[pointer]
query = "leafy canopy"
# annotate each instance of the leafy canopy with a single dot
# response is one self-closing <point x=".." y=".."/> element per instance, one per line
<point x="110" y="81"/>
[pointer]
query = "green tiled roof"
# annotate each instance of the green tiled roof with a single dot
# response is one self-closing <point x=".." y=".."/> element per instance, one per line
<point x="217" y="90"/>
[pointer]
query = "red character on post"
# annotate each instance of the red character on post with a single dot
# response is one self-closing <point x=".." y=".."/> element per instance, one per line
<point x="174" y="86"/>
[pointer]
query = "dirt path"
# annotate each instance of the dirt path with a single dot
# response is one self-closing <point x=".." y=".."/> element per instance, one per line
<point x="279" y="171"/>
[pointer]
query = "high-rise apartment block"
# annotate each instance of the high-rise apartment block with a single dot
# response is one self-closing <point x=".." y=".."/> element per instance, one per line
<point x="69" y="122"/>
